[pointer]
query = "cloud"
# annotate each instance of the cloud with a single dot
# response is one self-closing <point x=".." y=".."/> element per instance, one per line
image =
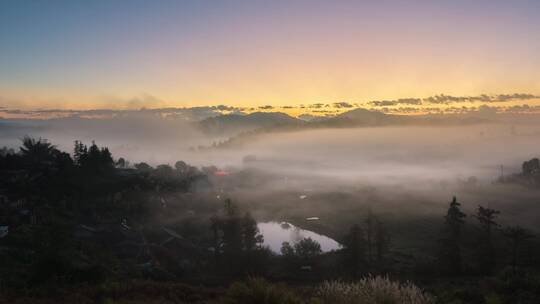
<point x="316" y="105"/>
<point x="343" y="105"/>
<point x="447" y="99"/>
<point x="401" y="101"/>
<point x="516" y="96"/>
<point x="523" y="109"/>
<point x="266" y="107"/>
<point x="143" y="101"/>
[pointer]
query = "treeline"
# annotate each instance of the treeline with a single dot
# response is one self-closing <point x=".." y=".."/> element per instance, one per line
<point x="485" y="253"/>
<point x="63" y="215"/>
<point x="529" y="175"/>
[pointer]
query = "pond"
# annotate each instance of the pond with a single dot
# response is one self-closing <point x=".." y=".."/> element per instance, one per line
<point x="276" y="233"/>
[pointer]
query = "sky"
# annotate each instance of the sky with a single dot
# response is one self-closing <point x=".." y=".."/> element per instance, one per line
<point x="132" y="54"/>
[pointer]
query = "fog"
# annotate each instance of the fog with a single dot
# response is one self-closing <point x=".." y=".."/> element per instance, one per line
<point x="400" y="172"/>
<point x="376" y="154"/>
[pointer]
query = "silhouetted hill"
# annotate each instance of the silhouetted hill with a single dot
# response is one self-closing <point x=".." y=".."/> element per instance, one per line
<point x="355" y="118"/>
<point x="361" y="117"/>
<point x="235" y="123"/>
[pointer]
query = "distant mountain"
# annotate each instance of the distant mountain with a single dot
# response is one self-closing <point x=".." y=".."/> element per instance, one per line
<point x="235" y="123"/>
<point x="364" y="118"/>
<point x="360" y="117"/>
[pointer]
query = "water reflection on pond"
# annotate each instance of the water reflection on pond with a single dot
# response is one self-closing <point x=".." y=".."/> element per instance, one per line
<point x="276" y="233"/>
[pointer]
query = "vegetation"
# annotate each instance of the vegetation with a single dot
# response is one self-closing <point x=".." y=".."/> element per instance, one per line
<point x="86" y="227"/>
<point x="372" y="290"/>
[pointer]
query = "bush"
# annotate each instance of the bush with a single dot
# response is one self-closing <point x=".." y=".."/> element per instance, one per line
<point x="259" y="291"/>
<point x="372" y="290"/>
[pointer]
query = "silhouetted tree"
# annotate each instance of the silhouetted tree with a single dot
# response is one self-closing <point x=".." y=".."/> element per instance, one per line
<point x="252" y="239"/>
<point x="93" y="160"/>
<point x="450" y="253"/>
<point x="37" y="153"/>
<point x="377" y="239"/>
<point x="209" y="170"/>
<point x="181" y="167"/>
<point x="121" y="163"/>
<point x="517" y="236"/>
<point x="80" y="152"/>
<point x="6" y="151"/>
<point x="486" y="252"/>
<point x="287" y="250"/>
<point x="382" y="241"/>
<point x="531" y="167"/>
<point x="370" y="236"/>
<point x="307" y="248"/>
<point x="355" y="250"/>
<point x="144" y="167"/>
<point x="215" y="224"/>
<point x="237" y="238"/>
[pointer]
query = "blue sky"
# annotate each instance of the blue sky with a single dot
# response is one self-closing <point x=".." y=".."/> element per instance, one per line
<point x="81" y="53"/>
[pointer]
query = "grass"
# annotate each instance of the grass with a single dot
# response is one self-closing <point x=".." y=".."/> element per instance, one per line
<point x="372" y="290"/>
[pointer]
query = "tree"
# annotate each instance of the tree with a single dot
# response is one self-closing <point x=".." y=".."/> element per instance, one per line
<point x="80" y="152"/>
<point x="486" y="253"/>
<point x="237" y="238"/>
<point x="287" y="250"/>
<point x="251" y="237"/>
<point x="531" y="167"/>
<point x="121" y="163"/>
<point x="6" y="151"/>
<point x="450" y="253"/>
<point x="455" y="218"/>
<point x="164" y="171"/>
<point x="382" y="241"/>
<point x="370" y="235"/>
<point x="517" y="235"/>
<point x="36" y="152"/>
<point x="307" y="248"/>
<point x="144" y="167"/>
<point x="355" y="250"/>
<point x="376" y="238"/>
<point x="181" y="167"/>
<point x="93" y="160"/>
<point x="232" y="230"/>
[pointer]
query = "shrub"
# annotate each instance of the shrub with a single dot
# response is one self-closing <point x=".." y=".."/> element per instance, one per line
<point x="372" y="290"/>
<point x="259" y="291"/>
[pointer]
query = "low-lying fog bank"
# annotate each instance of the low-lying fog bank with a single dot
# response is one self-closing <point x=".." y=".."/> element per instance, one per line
<point x="373" y="154"/>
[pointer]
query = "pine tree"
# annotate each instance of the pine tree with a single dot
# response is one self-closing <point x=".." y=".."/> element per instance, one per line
<point x="486" y="253"/>
<point x="450" y="253"/>
<point x="517" y="235"/>
<point x="355" y="250"/>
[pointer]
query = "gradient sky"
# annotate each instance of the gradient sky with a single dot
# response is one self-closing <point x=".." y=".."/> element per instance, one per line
<point x="95" y="54"/>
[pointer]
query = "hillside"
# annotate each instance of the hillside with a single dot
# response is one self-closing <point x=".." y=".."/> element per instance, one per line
<point x="235" y="123"/>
